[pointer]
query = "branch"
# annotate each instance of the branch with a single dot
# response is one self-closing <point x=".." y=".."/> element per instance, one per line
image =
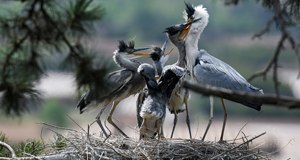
<point x="13" y="154"/>
<point x="267" y="28"/>
<point x="269" y="99"/>
<point x="250" y="140"/>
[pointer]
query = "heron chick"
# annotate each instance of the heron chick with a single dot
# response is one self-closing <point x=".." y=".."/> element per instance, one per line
<point x="180" y="95"/>
<point x="153" y="109"/>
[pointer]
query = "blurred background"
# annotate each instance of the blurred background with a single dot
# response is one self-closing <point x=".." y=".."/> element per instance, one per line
<point x="227" y="37"/>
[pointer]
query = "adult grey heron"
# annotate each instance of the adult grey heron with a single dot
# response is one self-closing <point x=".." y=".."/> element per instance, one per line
<point x="153" y="109"/>
<point x="125" y="82"/>
<point x="210" y="70"/>
<point x="180" y="95"/>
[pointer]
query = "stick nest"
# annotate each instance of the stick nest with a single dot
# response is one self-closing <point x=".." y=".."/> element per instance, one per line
<point x="78" y="145"/>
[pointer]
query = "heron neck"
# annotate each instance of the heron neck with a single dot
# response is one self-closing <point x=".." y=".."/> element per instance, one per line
<point x="191" y="45"/>
<point x="159" y="68"/>
<point x="125" y="63"/>
<point x="182" y="59"/>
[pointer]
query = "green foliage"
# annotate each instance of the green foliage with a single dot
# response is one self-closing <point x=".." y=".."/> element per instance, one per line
<point x="39" y="30"/>
<point x="3" y="151"/>
<point x="59" y="142"/>
<point x="30" y="146"/>
<point x="54" y="112"/>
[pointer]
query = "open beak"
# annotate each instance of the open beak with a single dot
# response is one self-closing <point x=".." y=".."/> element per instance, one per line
<point x="140" y="49"/>
<point x="187" y="28"/>
<point x="168" y="52"/>
<point x="164" y="46"/>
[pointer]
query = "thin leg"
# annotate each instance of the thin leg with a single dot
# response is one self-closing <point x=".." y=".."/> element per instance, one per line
<point x="159" y="125"/>
<point x="142" y="129"/>
<point x="101" y="126"/>
<point x="224" y="121"/>
<point x="99" y="121"/>
<point x="110" y="120"/>
<point x="211" y="100"/>
<point x="187" y="114"/>
<point x="162" y="130"/>
<point x="175" y="118"/>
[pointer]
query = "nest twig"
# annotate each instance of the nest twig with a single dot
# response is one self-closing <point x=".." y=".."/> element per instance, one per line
<point x="118" y="147"/>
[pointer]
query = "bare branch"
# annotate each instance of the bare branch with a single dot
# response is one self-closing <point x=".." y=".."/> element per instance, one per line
<point x="13" y="154"/>
<point x="265" y="30"/>
<point x="268" y="99"/>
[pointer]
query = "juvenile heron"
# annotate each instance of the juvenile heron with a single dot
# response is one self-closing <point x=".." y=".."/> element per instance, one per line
<point x="210" y="70"/>
<point x="153" y="109"/>
<point x="180" y="95"/>
<point x="124" y="82"/>
<point x="159" y="58"/>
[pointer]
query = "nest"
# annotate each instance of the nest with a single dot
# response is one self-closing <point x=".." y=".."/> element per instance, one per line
<point x="81" y="145"/>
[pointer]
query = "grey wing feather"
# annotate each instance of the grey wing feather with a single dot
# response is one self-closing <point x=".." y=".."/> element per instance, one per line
<point x="115" y="81"/>
<point x="212" y="71"/>
<point x="119" y="79"/>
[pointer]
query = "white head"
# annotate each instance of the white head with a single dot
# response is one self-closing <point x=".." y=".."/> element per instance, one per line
<point x="197" y="12"/>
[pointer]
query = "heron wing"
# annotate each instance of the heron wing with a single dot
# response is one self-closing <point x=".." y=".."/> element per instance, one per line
<point x="119" y="79"/>
<point x="115" y="82"/>
<point x="212" y="71"/>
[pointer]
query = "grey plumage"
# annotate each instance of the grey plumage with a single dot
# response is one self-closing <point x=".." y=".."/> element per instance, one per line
<point x="212" y="71"/>
<point x="123" y="83"/>
<point x="153" y="108"/>
<point x="180" y="96"/>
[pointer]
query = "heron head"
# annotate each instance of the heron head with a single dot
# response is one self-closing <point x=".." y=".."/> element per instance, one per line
<point x="128" y="51"/>
<point x="196" y="12"/>
<point x="179" y="31"/>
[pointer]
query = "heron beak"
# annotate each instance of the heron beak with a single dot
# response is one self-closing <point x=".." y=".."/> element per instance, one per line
<point x="187" y="28"/>
<point x="168" y="52"/>
<point x="140" y="49"/>
<point x="164" y="46"/>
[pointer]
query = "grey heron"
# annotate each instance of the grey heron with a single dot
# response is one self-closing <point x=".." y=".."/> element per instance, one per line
<point x="180" y="95"/>
<point x="159" y="58"/>
<point x="153" y="109"/>
<point x="210" y="70"/>
<point x="125" y="82"/>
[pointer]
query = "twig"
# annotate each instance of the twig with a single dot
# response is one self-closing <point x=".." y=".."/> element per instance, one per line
<point x="13" y="154"/>
<point x="280" y="148"/>
<point x="46" y="124"/>
<point x="265" y="30"/>
<point x="246" y="124"/>
<point x="239" y="145"/>
<point x="76" y="123"/>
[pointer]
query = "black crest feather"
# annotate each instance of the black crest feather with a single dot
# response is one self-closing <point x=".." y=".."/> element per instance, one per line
<point x="156" y="54"/>
<point x="131" y="44"/>
<point x="171" y="30"/>
<point x="122" y="46"/>
<point x="189" y="9"/>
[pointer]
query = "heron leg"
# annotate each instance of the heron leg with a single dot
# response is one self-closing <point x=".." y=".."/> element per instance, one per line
<point x="211" y="99"/>
<point x="175" y="118"/>
<point x="162" y="130"/>
<point x="99" y="121"/>
<point x="224" y="121"/>
<point x="142" y="129"/>
<point x="109" y="119"/>
<point x="187" y="115"/>
<point x="159" y="126"/>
